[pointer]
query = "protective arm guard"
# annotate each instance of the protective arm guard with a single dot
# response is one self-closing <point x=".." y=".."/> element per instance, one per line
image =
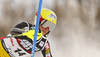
<point x="16" y="31"/>
<point x="21" y="28"/>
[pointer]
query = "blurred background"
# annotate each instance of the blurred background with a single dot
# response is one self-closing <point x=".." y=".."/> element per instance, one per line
<point x="78" y="27"/>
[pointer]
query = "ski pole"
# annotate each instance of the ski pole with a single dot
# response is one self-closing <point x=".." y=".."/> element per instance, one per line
<point x="29" y="34"/>
<point x="36" y="29"/>
<point x="11" y="36"/>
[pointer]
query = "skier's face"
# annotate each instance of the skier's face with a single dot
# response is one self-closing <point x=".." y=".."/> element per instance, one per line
<point x="44" y="30"/>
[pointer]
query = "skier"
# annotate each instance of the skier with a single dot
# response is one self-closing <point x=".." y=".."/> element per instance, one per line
<point x="21" y="46"/>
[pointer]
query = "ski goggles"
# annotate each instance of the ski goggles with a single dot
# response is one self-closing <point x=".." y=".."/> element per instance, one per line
<point x="47" y="24"/>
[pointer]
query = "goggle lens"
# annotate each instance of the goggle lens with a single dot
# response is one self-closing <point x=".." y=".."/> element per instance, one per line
<point x="48" y="24"/>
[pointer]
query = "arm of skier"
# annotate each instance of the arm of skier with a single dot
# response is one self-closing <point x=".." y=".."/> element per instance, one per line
<point x="46" y="50"/>
<point x="26" y="29"/>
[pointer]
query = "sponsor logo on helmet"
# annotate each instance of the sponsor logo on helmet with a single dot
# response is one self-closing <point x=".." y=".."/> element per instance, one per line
<point x="52" y="16"/>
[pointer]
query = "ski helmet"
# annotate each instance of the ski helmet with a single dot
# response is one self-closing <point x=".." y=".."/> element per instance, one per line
<point x="48" y="19"/>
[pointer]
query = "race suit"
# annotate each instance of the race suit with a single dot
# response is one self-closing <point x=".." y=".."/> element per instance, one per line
<point x="21" y="46"/>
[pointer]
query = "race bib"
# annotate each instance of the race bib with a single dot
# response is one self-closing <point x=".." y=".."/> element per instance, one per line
<point x="14" y="49"/>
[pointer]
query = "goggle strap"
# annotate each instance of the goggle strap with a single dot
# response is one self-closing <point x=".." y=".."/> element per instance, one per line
<point x="44" y="22"/>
